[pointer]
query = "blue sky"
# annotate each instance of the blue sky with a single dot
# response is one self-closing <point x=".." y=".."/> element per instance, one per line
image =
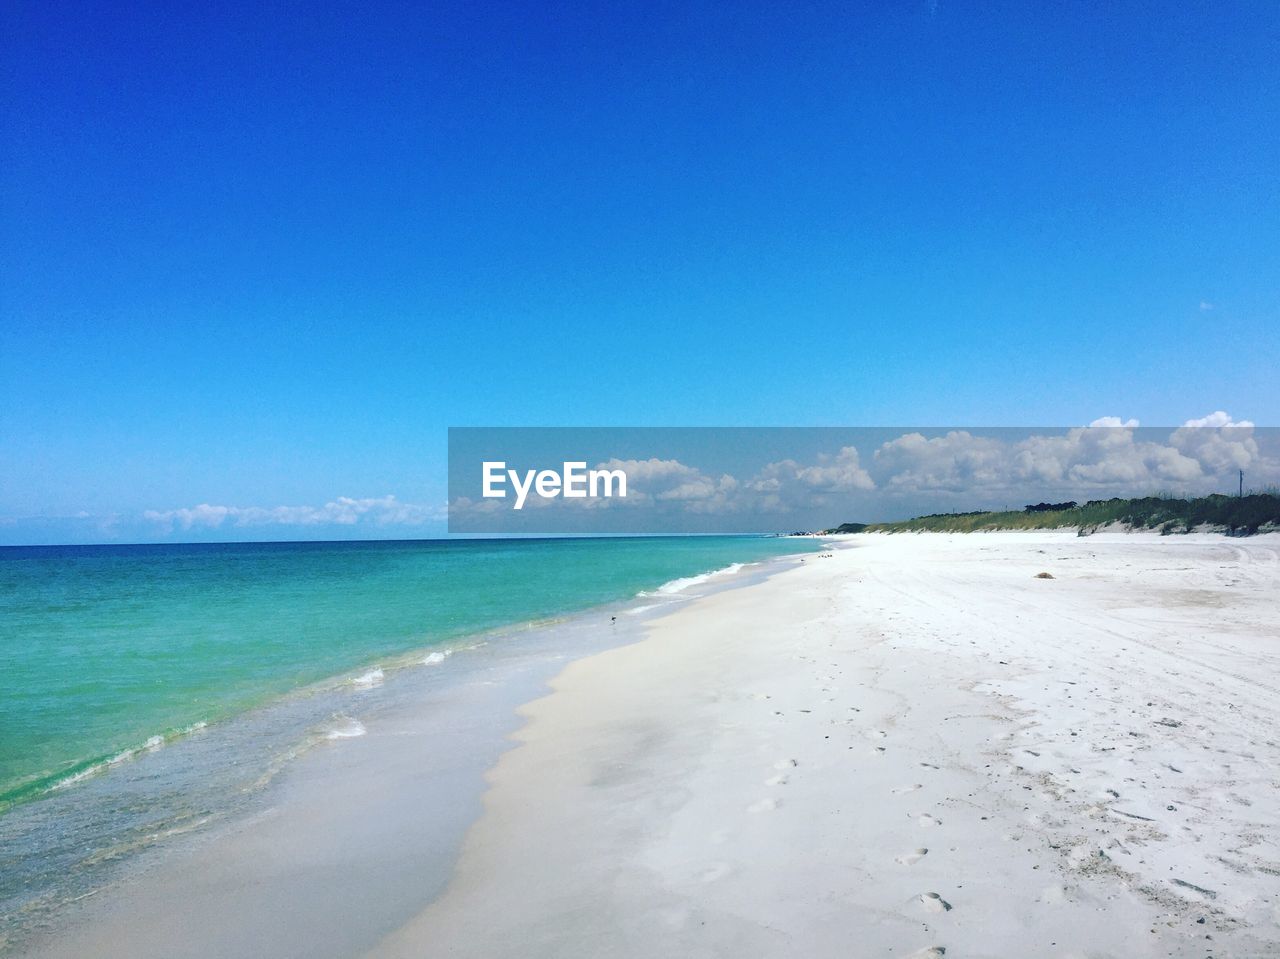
<point x="259" y="254"/>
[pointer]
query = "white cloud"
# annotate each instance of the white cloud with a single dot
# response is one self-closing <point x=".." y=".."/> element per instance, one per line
<point x="787" y="484"/>
<point x="781" y="485"/>
<point x="662" y="479"/>
<point x="1115" y="421"/>
<point x="1095" y="459"/>
<point x="1205" y="306"/>
<point x="955" y="462"/>
<point x="841" y="473"/>
<point x="1218" y="442"/>
<point x="1107" y="457"/>
<point x="1217" y="420"/>
<point x="343" y="511"/>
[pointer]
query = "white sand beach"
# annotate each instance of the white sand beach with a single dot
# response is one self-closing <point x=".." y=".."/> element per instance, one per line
<point x="915" y="747"/>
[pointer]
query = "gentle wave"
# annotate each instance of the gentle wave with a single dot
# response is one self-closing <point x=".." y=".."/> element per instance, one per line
<point x="373" y="677"/>
<point x="438" y="657"/>
<point x="684" y="582"/>
<point x="150" y="745"/>
<point x="345" y="727"/>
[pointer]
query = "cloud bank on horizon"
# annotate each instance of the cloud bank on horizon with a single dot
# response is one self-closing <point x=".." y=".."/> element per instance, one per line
<point x="344" y="511"/>
<point x="1109" y="457"/>
<point x="908" y="472"/>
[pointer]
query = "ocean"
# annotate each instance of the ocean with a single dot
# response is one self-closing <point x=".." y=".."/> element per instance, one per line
<point x="146" y="690"/>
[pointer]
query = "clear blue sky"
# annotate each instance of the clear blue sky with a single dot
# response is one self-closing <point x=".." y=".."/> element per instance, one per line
<point x="262" y="254"/>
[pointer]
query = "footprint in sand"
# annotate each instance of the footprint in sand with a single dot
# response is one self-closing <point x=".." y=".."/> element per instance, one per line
<point x="908" y="789"/>
<point x="932" y="902"/>
<point x="785" y="764"/>
<point x="911" y="858"/>
<point x="764" y="805"/>
<point x="778" y="780"/>
<point x="929" y="952"/>
<point x="926" y="821"/>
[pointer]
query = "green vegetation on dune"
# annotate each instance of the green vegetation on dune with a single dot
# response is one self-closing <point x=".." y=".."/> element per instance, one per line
<point x="1240" y="515"/>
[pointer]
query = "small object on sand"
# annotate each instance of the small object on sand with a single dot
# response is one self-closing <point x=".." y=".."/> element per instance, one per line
<point x="1044" y="576"/>
<point x="613" y="619"/>
<point x="1207" y="893"/>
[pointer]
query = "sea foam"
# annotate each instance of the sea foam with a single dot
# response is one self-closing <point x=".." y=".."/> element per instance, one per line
<point x="684" y="582"/>
<point x="345" y="727"/>
<point x="151" y="745"/>
<point x="373" y="677"/>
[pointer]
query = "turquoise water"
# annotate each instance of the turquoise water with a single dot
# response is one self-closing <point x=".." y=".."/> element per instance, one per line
<point x="103" y="649"/>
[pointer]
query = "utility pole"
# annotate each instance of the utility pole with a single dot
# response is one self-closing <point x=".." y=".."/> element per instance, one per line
<point x="1242" y="484"/>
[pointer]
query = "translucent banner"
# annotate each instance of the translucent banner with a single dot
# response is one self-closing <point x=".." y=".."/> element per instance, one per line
<point x="555" y="481"/>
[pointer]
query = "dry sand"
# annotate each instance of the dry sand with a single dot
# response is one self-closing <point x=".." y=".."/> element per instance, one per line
<point x="913" y="747"/>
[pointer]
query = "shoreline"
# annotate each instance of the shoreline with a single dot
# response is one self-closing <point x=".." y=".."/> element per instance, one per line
<point x="455" y="712"/>
<point x="361" y="673"/>
<point x="910" y="745"/>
